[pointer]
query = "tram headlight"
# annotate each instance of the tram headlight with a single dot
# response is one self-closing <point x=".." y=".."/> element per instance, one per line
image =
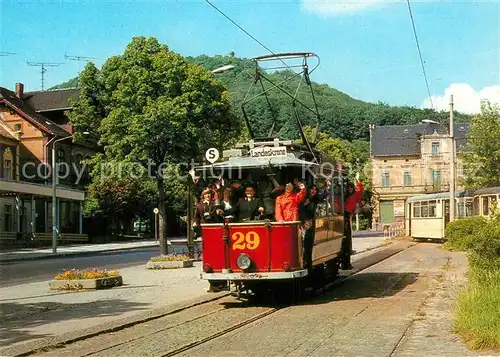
<point x="243" y="261"/>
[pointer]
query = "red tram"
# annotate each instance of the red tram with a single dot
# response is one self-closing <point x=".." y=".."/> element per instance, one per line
<point x="263" y="253"/>
<point x="259" y="254"/>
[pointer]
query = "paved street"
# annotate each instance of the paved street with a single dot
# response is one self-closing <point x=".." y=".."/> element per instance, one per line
<point x="31" y="311"/>
<point x="389" y="309"/>
<point x="23" y="272"/>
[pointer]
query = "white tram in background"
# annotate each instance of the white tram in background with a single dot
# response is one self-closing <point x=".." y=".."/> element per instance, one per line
<point x="484" y="199"/>
<point x="428" y="215"/>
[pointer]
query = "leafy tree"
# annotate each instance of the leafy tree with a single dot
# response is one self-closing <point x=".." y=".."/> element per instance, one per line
<point x="159" y="109"/>
<point x="120" y="197"/>
<point x="481" y="156"/>
<point x="88" y="110"/>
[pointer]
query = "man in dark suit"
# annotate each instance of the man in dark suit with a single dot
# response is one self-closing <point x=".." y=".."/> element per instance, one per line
<point x="249" y="207"/>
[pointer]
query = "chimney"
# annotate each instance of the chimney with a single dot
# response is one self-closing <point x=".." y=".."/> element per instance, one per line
<point x="19" y="90"/>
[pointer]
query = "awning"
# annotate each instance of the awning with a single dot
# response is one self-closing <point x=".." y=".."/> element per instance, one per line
<point x="21" y="187"/>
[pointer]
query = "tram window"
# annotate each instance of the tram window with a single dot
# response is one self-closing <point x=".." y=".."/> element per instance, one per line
<point x="432" y="208"/>
<point x="424" y="209"/>
<point x="475" y="206"/>
<point x="485" y="206"/>
<point x="416" y="209"/>
<point x="468" y="209"/>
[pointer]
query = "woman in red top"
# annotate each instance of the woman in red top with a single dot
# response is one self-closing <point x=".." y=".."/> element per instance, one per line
<point x="350" y="203"/>
<point x="287" y="204"/>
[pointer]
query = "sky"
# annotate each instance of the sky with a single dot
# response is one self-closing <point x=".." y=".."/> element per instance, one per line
<point x="367" y="48"/>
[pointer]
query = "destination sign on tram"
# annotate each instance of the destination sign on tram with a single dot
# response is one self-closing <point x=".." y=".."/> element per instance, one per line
<point x="268" y="152"/>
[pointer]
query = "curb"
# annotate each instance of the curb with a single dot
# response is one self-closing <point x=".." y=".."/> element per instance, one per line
<point x="68" y="254"/>
<point x="31" y="347"/>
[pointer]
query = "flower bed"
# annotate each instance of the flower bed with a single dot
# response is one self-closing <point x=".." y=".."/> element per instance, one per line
<point x="170" y="261"/>
<point x="91" y="273"/>
<point x="91" y="278"/>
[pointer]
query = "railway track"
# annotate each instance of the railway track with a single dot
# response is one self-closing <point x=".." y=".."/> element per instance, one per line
<point x="187" y="329"/>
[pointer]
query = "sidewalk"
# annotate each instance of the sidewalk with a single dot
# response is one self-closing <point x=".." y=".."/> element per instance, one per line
<point x="31" y="311"/>
<point x="87" y="249"/>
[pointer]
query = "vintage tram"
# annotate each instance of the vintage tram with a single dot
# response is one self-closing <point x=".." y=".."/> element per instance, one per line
<point x="260" y="254"/>
<point x="264" y="253"/>
<point x="427" y="215"/>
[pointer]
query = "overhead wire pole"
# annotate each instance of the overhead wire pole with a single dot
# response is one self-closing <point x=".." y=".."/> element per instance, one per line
<point x="452" y="163"/>
<point x="420" y="53"/>
<point x="43" y="66"/>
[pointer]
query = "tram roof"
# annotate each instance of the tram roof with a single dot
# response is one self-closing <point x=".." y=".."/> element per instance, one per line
<point x="257" y="162"/>
<point x="440" y="195"/>
<point x="487" y="190"/>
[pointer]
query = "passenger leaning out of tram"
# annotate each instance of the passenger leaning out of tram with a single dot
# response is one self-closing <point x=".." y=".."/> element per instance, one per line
<point x="353" y="197"/>
<point x="248" y="208"/>
<point x="287" y="204"/>
<point x="307" y="216"/>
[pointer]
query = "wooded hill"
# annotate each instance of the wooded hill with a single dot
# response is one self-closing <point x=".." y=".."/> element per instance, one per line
<point x="342" y="116"/>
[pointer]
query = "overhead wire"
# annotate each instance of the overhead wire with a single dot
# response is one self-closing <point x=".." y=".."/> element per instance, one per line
<point x="247" y="33"/>
<point x="420" y="53"/>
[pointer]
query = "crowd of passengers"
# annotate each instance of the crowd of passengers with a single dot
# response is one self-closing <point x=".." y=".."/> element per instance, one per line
<point x="270" y="200"/>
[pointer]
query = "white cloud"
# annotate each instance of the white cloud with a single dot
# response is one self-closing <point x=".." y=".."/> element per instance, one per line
<point x="332" y="7"/>
<point x="465" y="98"/>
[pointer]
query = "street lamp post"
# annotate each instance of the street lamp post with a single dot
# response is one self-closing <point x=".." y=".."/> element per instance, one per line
<point x="55" y="223"/>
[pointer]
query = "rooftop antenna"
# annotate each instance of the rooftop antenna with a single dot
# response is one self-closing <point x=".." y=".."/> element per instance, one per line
<point x="78" y="58"/>
<point x="43" y="66"/>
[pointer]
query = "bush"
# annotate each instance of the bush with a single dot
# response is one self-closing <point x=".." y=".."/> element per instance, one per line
<point x="461" y="234"/>
<point x="91" y="273"/>
<point x="477" y="314"/>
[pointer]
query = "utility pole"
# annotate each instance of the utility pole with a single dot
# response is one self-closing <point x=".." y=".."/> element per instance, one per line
<point x="452" y="164"/>
<point x="43" y="65"/>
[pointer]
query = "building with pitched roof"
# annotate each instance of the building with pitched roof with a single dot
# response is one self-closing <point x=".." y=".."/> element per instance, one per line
<point x="408" y="160"/>
<point x="29" y="124"/>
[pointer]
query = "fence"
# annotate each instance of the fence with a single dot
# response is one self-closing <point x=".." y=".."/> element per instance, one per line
<point x="393" y="230"/>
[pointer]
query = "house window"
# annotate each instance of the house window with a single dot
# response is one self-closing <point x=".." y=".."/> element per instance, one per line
<point x="7" y="218"/>
<point x="436" y="180"/>
<point x="407" y="178"/>
<point x="386" y="181"/>
<point x="7" y="169"/>
<point x="8" y="159"/>
<point x="435" y="148"/>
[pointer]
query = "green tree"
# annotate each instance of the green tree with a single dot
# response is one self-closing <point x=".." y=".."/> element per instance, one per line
<point x="160" y="109"/>
<point x="481" y="155"/>
<point x="88" y="110"/>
